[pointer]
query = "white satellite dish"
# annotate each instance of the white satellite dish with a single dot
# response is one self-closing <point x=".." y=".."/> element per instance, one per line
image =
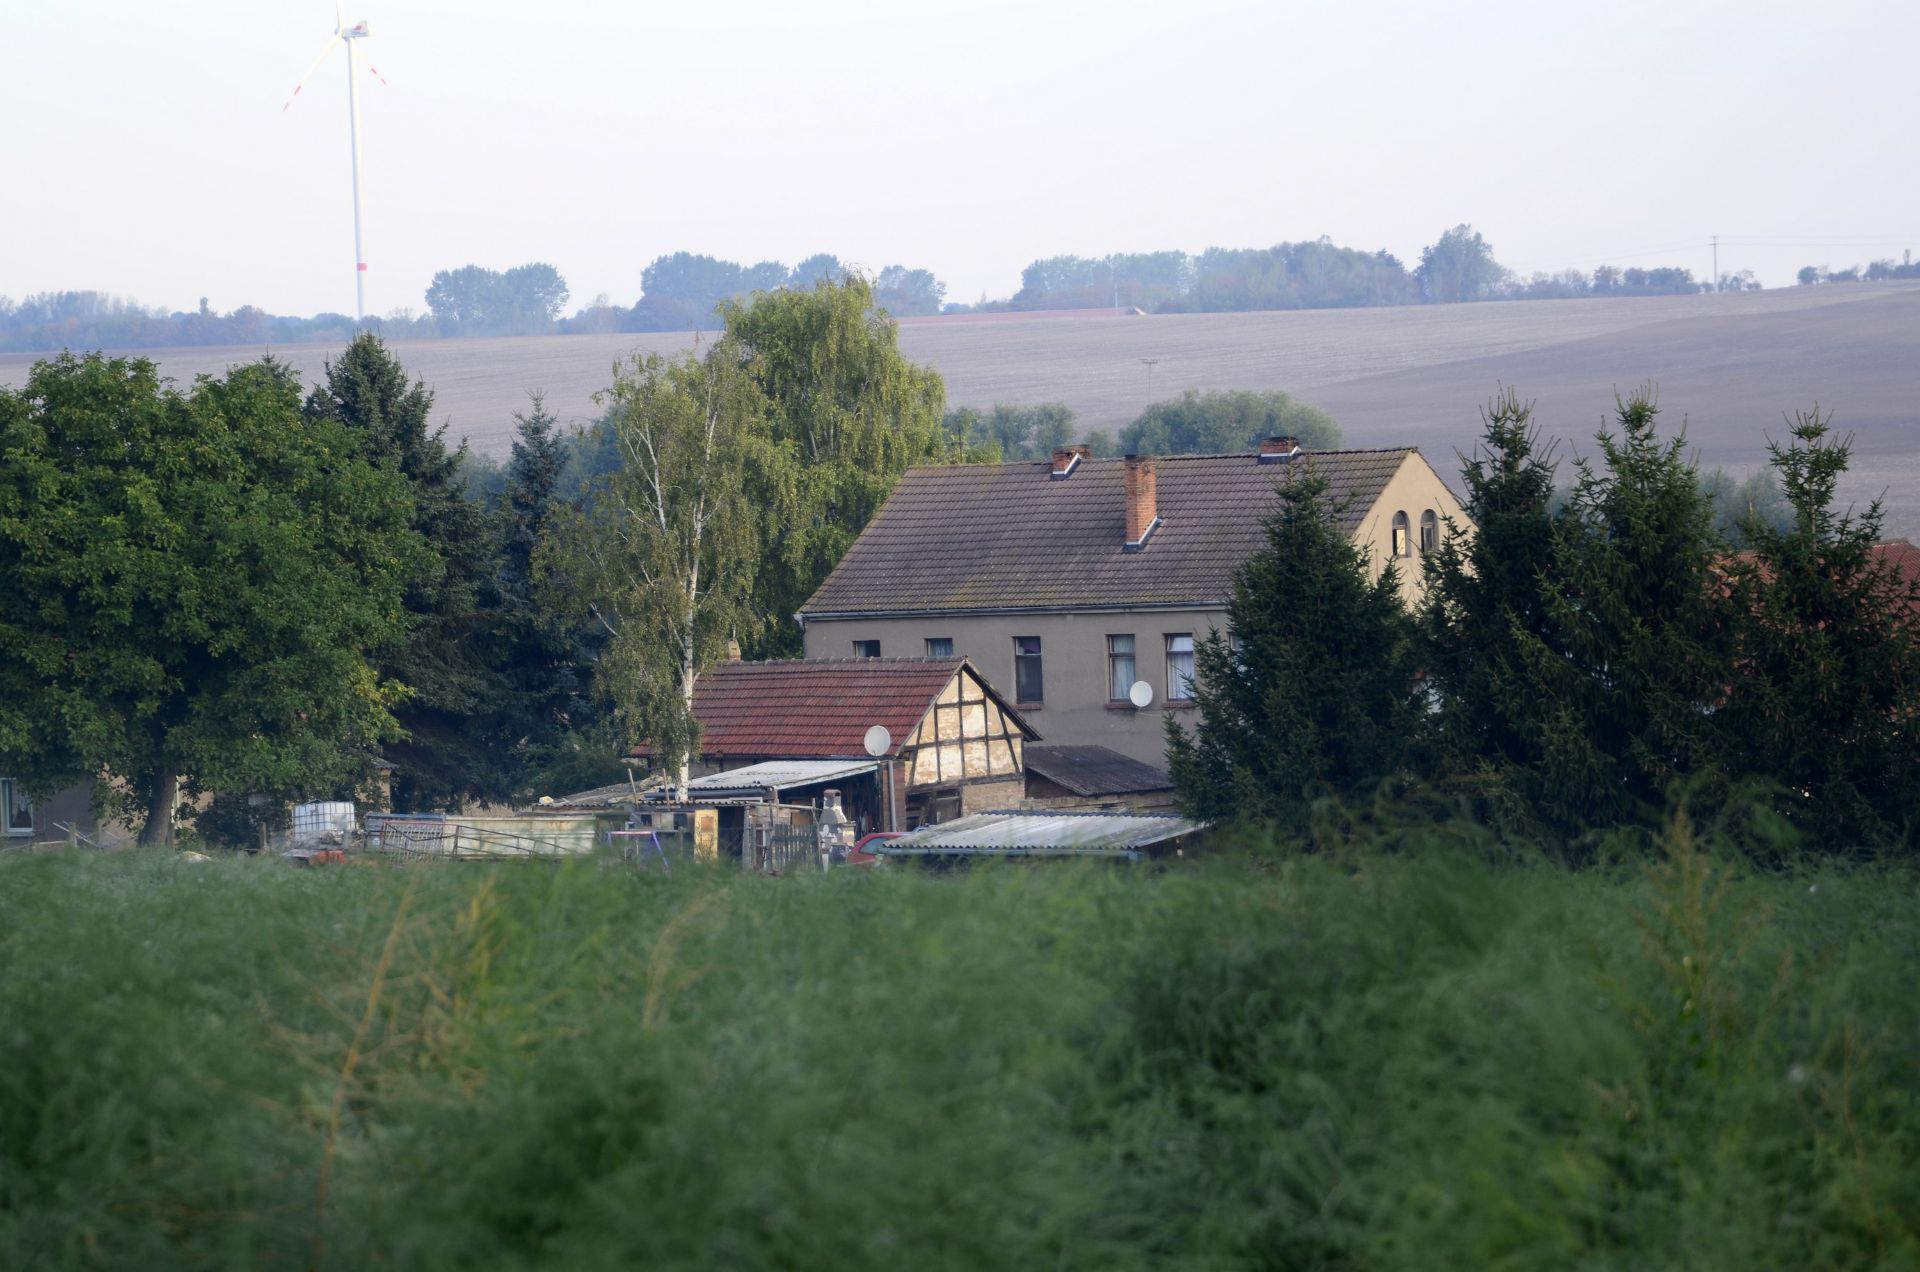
<point x="1141" y="694"/>
<point x="879" y="741"/>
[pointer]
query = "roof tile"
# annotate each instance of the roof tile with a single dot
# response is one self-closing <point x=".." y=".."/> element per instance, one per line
<point x="992" y="536"/>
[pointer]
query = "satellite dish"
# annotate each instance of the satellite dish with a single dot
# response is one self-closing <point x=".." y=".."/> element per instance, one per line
<point x="1141" y="694"/>
<point x="879" y="741"/>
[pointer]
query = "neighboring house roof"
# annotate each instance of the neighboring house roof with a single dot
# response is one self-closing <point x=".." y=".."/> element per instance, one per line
<point x="994" y="536"/>
<point x="1042" y="834"/>
<point x="1094" y="770"/>
<point x="822" y="708"/>
<point x="1906" y="559"/>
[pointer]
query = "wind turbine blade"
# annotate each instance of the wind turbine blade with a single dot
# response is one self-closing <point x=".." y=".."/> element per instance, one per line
<point x="377" y="75"/>
<point x="332" y="41"/>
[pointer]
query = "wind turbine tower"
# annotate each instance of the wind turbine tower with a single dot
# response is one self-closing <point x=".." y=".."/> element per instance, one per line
<point x="346" y="35"/>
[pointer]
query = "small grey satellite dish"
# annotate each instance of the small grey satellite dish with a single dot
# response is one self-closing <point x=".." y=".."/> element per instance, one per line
<point x="1141" y="695"/>
<point x="879" y="741"/>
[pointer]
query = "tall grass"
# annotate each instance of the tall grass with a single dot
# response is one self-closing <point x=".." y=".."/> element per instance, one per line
<point x="1367" y="1061"/>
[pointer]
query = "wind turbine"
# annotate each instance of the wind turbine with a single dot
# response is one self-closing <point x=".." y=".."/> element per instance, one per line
<point x="346" y="35"/>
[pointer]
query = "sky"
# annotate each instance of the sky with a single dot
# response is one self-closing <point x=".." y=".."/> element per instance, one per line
<point x="147" y="154"/>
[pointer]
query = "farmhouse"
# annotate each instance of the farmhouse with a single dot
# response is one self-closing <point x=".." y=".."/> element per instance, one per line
<point x="1078" y="579"/>
<point x="946" y="744"/>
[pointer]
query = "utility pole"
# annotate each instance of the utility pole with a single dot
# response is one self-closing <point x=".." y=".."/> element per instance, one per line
<point x="1149" y="362"/>
<point x="1716" y="262"/>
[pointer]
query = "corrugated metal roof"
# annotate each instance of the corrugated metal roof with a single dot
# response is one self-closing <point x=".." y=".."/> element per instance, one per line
<point x="778" y="775"/>
<point x="1013" y="832"/>
<point x="989" y="536"/>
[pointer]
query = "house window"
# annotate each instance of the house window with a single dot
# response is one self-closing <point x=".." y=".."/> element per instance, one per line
<point x="1180" y="667"/>
<point x="1429" y="531"/>
<point x="939" y="646"/>
<point x="15" y="808"/>
<point x="1027" y="687"/>
<point x="866" y="649"/>
<point x="1120" y="667"/>
<point x="1402" y="540"/>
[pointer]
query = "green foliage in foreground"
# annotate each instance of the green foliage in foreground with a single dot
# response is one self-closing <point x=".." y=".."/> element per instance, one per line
<point x="1385" y="1062"/>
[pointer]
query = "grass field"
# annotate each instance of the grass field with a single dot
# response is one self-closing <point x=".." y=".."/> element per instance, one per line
<point x="1411" y="1061"/>
<point x="1730" y="365"/>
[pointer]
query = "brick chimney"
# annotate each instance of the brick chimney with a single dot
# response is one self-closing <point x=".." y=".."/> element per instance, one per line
<point x="1143" y="509"/>
<point x="1066" y="459"/>
<point x="733" y="651"/>
<point x="1278" y="450"/>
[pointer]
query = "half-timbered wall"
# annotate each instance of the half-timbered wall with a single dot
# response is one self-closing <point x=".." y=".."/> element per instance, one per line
<point x="965" y="737"/>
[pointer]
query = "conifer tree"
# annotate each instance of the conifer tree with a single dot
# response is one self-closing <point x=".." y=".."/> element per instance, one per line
<point x="1486" y="585"/>
<point x="1825" y="699"/>
<point x="449" y="658"/>
<point x="1316" y="689"/>
<point x="1621" y="679"/>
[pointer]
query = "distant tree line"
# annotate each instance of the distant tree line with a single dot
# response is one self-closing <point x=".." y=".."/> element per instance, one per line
<point x="1458" y="266"/>
<point x="685" y="291"/>
<point x="1580" y="666"/>
<point x="1876" y="271"/>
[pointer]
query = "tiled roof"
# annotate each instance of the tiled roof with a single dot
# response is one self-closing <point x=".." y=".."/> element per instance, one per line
<point x="1094" y="770"/>
<point x="817" y="708"/>
<point x="993" y="536"/>
<point x="1906" y="559"/>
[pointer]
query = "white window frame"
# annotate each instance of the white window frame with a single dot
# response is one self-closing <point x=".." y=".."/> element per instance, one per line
<point x="1178" y="678"/>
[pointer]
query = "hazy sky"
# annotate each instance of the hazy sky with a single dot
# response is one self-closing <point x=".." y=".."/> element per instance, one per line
<point x="147" y="155"/>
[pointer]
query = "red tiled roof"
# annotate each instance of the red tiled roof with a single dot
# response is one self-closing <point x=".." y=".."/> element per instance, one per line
<point x="1905" y="558"/>
<point x="981" y="536"/>
<point x="817" y="708"/>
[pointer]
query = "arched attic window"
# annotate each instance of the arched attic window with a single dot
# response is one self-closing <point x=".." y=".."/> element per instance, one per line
<point x="1429" y="531"/>
<point x="1402" y="540"/>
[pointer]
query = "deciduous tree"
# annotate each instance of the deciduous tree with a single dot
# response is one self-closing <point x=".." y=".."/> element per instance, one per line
<point x="845" y="416"/>
<point x="195" y="584"/>
<point x="665" y="557"/>
<point x="1218" y="422"/>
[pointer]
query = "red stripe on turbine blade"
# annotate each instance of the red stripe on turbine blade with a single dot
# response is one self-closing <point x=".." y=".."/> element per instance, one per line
<point x="363" y="267"/>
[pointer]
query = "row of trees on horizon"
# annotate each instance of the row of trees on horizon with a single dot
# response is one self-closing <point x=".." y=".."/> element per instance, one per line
<point x="685" y="291"/>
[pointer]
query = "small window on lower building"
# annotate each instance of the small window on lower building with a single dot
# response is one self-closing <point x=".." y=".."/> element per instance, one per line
<point x="866" y="649"/>
<point x="939" y="646"/>
<point x="1429" y="531"/>
<point x="1028" y="688"/>
<point x="1402" y="538"/>
<point x="15" y="808"/>
<point x="1120" y="667"/>
<point x="1180" y="666"/>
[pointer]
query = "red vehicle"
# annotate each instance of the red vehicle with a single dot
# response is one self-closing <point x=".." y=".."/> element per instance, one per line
<point x="858" y="854"/>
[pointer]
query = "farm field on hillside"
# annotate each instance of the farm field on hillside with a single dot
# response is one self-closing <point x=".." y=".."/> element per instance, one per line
<point x="1729" y="364"/>
<point x="1406" y="1061"/>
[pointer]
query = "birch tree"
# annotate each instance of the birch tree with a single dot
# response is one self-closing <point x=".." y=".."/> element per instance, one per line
<point x="664" y="559"/>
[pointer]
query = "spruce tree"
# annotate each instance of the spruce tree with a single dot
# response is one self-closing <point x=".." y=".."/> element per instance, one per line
<point x="1487" y="584"/>
<point x="546" y="654"/>
<point x="1315" y="691"/>
<point x="449" y="657"/>
<point x="1825" y="699"/>
<point x="1620" y="681"/>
